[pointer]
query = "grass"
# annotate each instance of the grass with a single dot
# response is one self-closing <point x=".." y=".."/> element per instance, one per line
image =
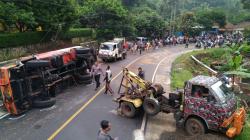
<point x="185" y="68"/>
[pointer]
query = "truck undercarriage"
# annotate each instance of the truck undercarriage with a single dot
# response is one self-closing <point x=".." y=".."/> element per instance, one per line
<point x="34" y="81"/>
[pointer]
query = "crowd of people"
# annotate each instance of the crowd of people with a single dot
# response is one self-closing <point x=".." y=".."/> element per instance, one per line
<point x="207" y="40"/>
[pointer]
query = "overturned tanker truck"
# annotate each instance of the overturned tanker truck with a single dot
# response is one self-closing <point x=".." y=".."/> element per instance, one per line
<point x="33" y="81"/>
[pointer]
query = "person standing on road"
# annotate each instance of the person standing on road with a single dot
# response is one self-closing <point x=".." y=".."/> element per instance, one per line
<point x="141" y="73"/>
<point x="103" y="132"/>
<point x="107" y="79"/>
<point x="96" y="71"/>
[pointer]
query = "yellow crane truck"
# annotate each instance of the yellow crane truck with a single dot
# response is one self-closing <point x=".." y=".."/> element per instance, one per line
<point x="205" y="103"/>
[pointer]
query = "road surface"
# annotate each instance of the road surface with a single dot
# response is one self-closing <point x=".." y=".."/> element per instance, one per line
<point x="79" y="110"/>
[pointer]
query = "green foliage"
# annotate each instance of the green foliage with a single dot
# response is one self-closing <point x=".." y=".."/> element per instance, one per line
<point x="236" y="18"/>
<point x="183" y="69"/>
<point x="148" y="22"/>
<point x="207" y="17"/>
<point x="10" y="15"/>
<point x="77" y="32"/>
<point x="22" y="39"/>
<point x="187" y="22"/>
<point x="247" y="32"/>
<point x="179" y="77"/>
<point x="55" y="15"/>
<point x="107" y="16"/>
<point x="246" y="4"/>
<point x="28" y="38"/>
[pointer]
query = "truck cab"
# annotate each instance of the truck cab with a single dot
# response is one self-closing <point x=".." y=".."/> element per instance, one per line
<point x="207" y="103"/>
<point x="112" y="50"/>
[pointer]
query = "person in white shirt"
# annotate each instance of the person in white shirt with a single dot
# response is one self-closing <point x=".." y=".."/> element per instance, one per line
<point x="107" y="79"/>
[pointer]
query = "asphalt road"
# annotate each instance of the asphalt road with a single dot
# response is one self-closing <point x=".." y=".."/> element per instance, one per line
<point x="43" y="124"/>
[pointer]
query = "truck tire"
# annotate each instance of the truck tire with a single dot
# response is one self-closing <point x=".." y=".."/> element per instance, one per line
<point x="151" y="106"/>
<point x="128" y="109"/>
<point x="194" y="126"/>
<point x="57" y="61"/>
<point x="123" y="56"/>
<point x="83" y="50"/>
<point x="87" y="82"/>
<point x="83" y="56"/>
<point x="116" y="58"/>
<point x="37" y="64"/>
<point x="86" y="77"/>
<point x="178" y="115"/>
<point x="38" y="103"/>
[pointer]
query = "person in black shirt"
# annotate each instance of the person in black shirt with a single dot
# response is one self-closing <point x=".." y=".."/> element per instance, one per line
<point x="141" y="73"/>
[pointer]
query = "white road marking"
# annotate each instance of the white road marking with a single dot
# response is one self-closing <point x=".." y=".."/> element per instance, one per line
<point x="16" y="118"/>
<point x="5" y="115"/>
<point x="48" y="109"/>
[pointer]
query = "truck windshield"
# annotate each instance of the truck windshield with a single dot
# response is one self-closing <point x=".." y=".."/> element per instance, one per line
<point x="107" y="47"/>
<point x="221" y="91"/>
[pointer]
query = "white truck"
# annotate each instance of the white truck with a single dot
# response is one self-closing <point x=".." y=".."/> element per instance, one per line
<point x="113" y="50"/>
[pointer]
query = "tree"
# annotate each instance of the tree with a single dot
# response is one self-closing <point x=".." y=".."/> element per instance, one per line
<point x="187" y="23"/>
<point x="207" y="18"/>
<point x="107" y="16"/>
<point x="148" y="22"/>
<point x="55" y="15"/>
<point x="246" y="4"/>
<point x="10" y="15"/>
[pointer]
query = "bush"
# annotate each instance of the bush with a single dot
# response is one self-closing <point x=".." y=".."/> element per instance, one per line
<point x="76" y="32"/>
<point x="22" y="39"/>
<point x="9" y="40"/>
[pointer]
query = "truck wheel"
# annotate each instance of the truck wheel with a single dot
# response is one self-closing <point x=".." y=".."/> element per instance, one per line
<point x="124" y="56"/>
<point x="83" y="56"/>
<point x="151" y="106"/>
<point x="87" y="82"/>
<point x="56" y="61"/>
<point x="83" y="77"/>
<point x="38" y="103"/>
<point x="116" y="57"/>
<point x="194" y="127"/>
<point x="83" y="50"/>
<point x="128" y="109"/>
<point x="37" y="64"/>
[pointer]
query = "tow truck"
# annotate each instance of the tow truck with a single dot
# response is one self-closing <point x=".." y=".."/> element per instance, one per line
<point x="35" y="80"/>
<point x="205" y="103"/>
